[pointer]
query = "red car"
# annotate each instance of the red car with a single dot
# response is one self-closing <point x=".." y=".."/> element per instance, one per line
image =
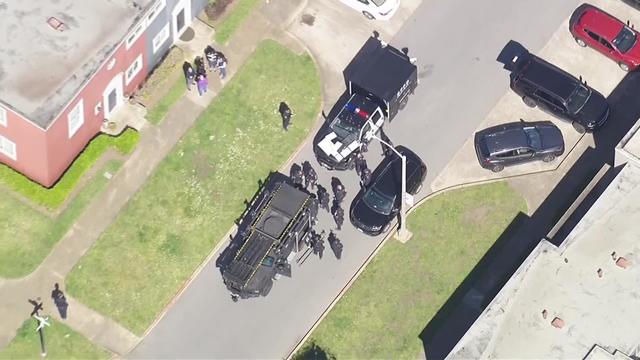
<point x="594" y="27"/>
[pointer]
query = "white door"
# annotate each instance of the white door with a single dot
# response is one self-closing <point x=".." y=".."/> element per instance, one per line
<point x="112" y="96"/>
<point x="180" y="18"/>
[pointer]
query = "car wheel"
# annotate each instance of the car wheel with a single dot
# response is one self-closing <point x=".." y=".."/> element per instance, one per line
<point x="581" y="42"/>
<point x="368" y="15"/>
<point x="529" y="101"/>
<point x="549" y="158"/>
<point x="497" y="168"/>
<point x="579" y="127"/>
<point x="623" y="66"/>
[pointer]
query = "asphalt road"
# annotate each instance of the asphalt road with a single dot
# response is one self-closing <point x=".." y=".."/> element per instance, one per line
<point x="456" y="42"/>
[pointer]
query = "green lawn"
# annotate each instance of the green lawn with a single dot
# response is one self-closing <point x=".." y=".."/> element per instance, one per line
<point x="55" y="196"/>
<point x="239" y="13"/>
<point x="27" y="236"/>
<point x="60" y="342"/>
<point x="162" y="107"/>
<point x="385" y="310"/>
<point x="190" y="202"/>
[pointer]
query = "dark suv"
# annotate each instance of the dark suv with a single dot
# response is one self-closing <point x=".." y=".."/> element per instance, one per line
<point x="518" y="142"/>
<point x="542" y="84"/>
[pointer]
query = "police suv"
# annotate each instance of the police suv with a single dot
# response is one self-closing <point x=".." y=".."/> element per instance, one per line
<point x="379" y="80"/>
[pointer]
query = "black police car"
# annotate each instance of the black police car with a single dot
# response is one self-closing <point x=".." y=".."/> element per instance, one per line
<point x="518" y="142"/>
<point x="542" y="84"/>
<point x="374" y="207"/>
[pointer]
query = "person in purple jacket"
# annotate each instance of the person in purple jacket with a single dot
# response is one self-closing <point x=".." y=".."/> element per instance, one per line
<point x="203" y="84"/>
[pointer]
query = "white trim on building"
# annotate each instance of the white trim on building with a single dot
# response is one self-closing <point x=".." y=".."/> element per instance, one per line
<point x="3" y="116"/>
<point x="155" y="10"/>
<point x="133" y="70"/>
<point x="75" y="118"/>
<point x="8" y="147"/>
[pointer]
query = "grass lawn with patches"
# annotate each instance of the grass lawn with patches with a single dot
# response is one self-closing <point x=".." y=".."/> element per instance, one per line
<point x="27" y="236"/>
<point x="55" y="196"/>
<point x="385" y="310"/>
<point x="61" y="343"/>
<point x="157" y="112"/>
<point x="239" y="13"/>
<point x="197" y="192"/>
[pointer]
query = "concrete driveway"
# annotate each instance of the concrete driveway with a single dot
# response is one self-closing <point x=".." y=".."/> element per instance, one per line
<point x="600" y="73"/>
<point x="203" y="322"/>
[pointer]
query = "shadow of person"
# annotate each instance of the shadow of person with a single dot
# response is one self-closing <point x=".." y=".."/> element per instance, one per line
<point x="60" y="300"/>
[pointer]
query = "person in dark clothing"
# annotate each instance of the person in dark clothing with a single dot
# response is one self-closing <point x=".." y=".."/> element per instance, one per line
<point x="296" y="175"/>
<point x="323" y="197"/>
<point x="339" y="192"/>
<point x="212" y="57"/>
<point x="199" y="63"/>
<point x="338" y="214"/>
<point x="385" y="149"/>
<point x="313" y="211"/>
<point x="310" y="175"/>
<point x="286" y="114"/>
<point x="60" y="300"/>
<point x="335" y="244"/>
<point x="365" y="177"/>
<point x="189" y="74"/>
<point x="221" y="65"/>
<point x="361" y="163"/>
<point x="318" y="244"/>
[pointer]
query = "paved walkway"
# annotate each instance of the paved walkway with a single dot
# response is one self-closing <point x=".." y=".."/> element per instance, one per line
<point x="155" y="144"/>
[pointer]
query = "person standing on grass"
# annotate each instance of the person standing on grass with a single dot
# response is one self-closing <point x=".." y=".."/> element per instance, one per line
<point x="189" y="74"/>
<point x="222" y="65"/>
<point x="286" y="114"/>
<point x="203" y="84"/>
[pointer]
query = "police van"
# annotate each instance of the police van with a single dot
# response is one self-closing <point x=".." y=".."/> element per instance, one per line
<point x="379" y="80"/>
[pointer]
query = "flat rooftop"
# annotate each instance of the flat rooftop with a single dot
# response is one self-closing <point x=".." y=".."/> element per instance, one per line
<point x="581" y="282"/>
<point x="41" y="68"/>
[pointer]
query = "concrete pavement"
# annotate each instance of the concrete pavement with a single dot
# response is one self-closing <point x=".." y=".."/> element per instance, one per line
<point x="456" y="43"/>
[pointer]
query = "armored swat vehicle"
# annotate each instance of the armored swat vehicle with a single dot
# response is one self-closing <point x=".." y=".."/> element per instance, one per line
<point x="271" y="231"/>
<point x="379" y="80"/>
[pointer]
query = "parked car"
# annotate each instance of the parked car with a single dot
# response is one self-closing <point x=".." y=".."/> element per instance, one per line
<point x="518" y="142"/>
<point x="375" y="206"/>
<point x="374" y="9"/>
<point x="595" y="28"/>
<point x="555" y="91"/>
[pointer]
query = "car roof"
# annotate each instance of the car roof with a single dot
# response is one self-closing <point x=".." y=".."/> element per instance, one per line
<point x="504" y="137"/>
<point x="549" y="77"/>
<point x="601" y="22"/>
<point x="391" y="184"/>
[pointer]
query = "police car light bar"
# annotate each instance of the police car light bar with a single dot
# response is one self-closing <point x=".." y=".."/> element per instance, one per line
<point x="356" y="110"/>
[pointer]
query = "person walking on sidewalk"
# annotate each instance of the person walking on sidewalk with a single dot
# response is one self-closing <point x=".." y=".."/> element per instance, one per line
<point x="203" y="84"/>
<point x="212" y="57"/>
<point x="286" y="114"/>
<point x="222" y="65"/>
<point x="189" y="74"/>
<point x="60" y="300"/>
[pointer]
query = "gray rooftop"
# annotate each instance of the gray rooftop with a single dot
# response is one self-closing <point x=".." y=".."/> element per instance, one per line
<point x="600" y="311"/>
<point x="41" y="69"/>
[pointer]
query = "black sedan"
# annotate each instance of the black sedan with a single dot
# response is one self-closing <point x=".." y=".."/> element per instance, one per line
<point x="518" y="142"/>
<point x="375" y="206"/>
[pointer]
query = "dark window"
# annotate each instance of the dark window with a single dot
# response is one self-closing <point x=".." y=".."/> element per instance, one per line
<point x="625" y="39"/>
<point x="507" y="154"/>
<point x="593" y="35"/>
<point x="548" y="99"/>
<point x="524" y="152"/>
<point x="606" y="44"/>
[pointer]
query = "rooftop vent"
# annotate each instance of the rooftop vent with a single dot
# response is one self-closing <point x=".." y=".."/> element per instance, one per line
<point x="557" y="323"/>
<point x="55" y="23"/>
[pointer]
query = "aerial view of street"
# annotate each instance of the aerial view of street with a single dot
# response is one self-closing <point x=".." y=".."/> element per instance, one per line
<point x="319" y="179"/>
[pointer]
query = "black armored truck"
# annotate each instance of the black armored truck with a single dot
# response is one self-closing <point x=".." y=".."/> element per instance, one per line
<point x="271" y="231"/>
<point x="379" y="80"/>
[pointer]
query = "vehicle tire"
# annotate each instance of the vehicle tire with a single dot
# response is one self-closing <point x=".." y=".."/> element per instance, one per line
<point x="548" y="158"/>
<point x="403" y="103"/>
<point x="623" y="66"/>
<point x="497" y="168"/>
<point x="368" y="15"/>
<point x="529" y="101"/>
<point x="581" y="42"/>
<point x="579" y="127"/>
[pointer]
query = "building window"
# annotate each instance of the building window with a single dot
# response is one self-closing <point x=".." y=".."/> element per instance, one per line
<point x="135" y="35"/>
<point x="75" y="118"/>
<point x="161" y="38"/>
<point x="3" y="116"/>
<point x="8" y="147"/>
<point x="155" y="11"/>
<point x="133" y="70"/>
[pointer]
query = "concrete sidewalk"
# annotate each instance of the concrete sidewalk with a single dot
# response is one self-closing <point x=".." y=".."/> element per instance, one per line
<point x="155" y="144"/>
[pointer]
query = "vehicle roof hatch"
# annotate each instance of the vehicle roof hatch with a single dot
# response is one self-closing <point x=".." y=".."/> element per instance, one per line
<point x="514" y="56"/>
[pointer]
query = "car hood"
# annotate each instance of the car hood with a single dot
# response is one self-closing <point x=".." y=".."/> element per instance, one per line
<point x="594" y="109"/>
<point x="551" y="137"/>
<point x="362" y="214"/>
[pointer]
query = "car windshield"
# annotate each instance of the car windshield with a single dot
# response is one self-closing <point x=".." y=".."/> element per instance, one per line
<point x="379" y="2"/>
<point x="378" y="201"/>
<point x="625" y="39"/>
<point x="346" y="124"/>
<point x="578" y="98"/>
<point x="533" y="137"/>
